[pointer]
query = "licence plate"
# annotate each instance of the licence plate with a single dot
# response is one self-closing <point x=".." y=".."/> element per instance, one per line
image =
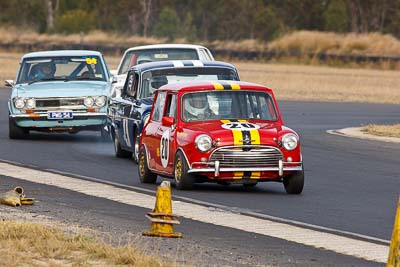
<point x="59" y="115"/>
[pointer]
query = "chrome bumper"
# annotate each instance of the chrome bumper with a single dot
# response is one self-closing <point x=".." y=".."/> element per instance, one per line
<point x="216" y="169"/>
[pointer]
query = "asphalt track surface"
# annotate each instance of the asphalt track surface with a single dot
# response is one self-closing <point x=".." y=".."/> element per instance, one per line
<point x="351" y="185"/>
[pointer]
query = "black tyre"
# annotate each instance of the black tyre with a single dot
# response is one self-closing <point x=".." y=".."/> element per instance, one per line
<point x="16" y="132"/>
<point x="183" y="180"/>
<point x="145" y="175"/>
<point x="119" y="152"/>
<point x="136" y="147"/>
<point x="294" y="182"/>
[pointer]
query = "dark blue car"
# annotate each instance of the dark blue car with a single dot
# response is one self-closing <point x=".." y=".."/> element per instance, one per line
<point x="129" y="113"/>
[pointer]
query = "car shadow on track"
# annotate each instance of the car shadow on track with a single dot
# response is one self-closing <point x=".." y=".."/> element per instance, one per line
<point x="270" y="188"/>
<point x="63" y="137"/>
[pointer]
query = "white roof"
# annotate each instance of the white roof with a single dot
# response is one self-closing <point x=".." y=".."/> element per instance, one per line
<point x="58" y="53"/>
<point x="157" y="46"/>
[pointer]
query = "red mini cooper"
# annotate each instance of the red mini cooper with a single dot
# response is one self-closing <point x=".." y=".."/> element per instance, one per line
<point x="223" y="131"/>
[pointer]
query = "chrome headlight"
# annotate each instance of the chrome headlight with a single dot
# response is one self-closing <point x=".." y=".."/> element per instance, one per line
<point x="290" y="141"/>
<point x="30" y="103"/>
<point x="101" y="101"/>
<point x="88" y="102"/>
<point x="203" y="142"/>
<point x="19" y="103"/>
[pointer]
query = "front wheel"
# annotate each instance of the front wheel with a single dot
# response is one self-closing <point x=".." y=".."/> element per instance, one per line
<point x="16" y="132"/>
<point x="136" y="147"/>
<point x="183" y="179"/>
<point x="294" y="182"/>
<point x="119" y="152"/>
<point x="145" y="175"/>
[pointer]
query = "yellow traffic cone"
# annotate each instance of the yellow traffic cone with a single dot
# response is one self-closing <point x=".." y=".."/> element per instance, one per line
<point x="12" y="197"/>
<point x="162" y="219"/>
<point x="27" y="200"/>
<point x="16" y="198"/>
<point x="394" y="254"/>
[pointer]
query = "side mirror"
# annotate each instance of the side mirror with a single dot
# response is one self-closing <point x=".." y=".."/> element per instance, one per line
<point x="168" y="121"/>
<point x="9" y="83"/>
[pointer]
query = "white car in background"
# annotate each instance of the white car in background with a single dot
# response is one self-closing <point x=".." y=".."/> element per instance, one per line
<point x="160" y="52"/>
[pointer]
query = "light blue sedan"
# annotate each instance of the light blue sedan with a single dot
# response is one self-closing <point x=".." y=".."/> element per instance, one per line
<point x="59" y="91"/>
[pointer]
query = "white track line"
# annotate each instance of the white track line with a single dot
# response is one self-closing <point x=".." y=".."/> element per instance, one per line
<point x="343" y="245"/>
<point x="218" y="206"/>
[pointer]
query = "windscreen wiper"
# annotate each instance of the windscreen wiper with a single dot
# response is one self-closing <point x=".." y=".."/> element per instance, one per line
<point x="84" y="78"/>
<point x="47" y="79"/>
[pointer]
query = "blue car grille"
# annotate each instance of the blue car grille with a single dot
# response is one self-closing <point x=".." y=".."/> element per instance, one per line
<point x="46" y="103"/>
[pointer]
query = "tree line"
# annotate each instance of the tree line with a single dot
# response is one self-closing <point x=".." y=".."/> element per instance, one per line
<point x="203" y="20"/>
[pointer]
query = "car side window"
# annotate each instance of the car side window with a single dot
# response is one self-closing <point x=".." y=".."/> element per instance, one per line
<point x="159" y="107"/>
<point x="204" y="55"/>
<point x="126" y="63"/>
<point x="170" y="110"/>
<point x="106" y="65"/>
<point x="209" y="54"/>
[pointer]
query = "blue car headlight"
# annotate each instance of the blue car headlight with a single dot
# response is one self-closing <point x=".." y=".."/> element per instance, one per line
<point x="100" y="101"/>
<point x="88" y="102"/>
<point x="19" y="102"/>
<point x="30" y="103"/>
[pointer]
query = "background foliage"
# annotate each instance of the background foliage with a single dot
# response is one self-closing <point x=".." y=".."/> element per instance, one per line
<point x="203" y="20"/>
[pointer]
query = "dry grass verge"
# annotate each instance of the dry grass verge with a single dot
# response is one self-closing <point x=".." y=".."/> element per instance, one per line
<point x="8" y="66"/>
<point x="27" y="36"/>
<point x="335" y="43"/>
<point x="383" y="130"/>
<point x="311" y="83"/>
<point x="30" y="244"/>
<point x="299" y="41"/>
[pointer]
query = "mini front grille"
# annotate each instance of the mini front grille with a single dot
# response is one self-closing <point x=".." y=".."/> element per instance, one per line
<point x="247" y="156"/>
<point x="68" y="103"/>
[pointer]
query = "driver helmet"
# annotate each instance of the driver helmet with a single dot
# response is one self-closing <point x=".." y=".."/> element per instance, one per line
<point x="44" y="70"/>
<point x="143" y="59"/>
<point x="196" y="104"/>
<point x="158" y="81"/>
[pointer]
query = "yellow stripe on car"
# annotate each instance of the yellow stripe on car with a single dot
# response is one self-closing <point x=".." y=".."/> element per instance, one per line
<point x="237" y="141"/>
<point x="255" y="140"/>
<point x="234" y="86"/>
<point x="255" y="137"/>
<point x="218" y="86"/>
<point x="237" y="137"/>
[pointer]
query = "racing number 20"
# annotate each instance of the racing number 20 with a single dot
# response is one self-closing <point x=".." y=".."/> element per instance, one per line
<point x="241" y="125"/>
<point x="164" y="148"/>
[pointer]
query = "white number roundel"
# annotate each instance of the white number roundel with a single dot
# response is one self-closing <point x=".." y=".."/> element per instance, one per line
<point x="164" y="148"/>
<point x="240" y="126"/>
